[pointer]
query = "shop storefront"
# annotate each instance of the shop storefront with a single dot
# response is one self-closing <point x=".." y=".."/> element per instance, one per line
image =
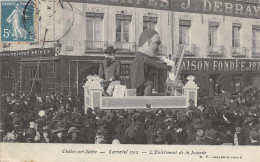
<point x="30" y="71"/>
<point x="234" y="75"/>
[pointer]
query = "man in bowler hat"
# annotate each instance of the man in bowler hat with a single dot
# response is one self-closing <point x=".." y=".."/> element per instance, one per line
<point x="109" y="71"/>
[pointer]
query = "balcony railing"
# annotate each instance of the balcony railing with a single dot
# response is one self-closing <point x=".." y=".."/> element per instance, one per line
<point x="190" y="49"/>
<point x="125" y="46"/>
<point x="255" y="51"/>
<point x="215" y="51"/>
<point x="239" y="51"/>
<point x="98" y="46"/>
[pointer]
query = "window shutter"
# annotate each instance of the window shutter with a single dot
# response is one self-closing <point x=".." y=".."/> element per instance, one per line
<point x="185" y="23"/>
<point x="90" y="14"/>
<point x="214" y="24"/>
<point x="236" y="25"/>
<point x="256" y="27"/>
<point x="124" y="17"/>
<point x="150" y="19"/>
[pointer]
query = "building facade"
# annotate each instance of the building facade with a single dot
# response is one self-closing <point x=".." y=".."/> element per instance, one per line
<point x="222" y="43"/>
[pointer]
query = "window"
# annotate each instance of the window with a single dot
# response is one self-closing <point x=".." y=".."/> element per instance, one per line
<point x="8" y="73"/>
<point x="236" y="35"/>
<point x="94" y="27"/>
<point x="184" y="27"/>
<point x="235" y="84"/>
<point x="31" y="79"/>
<point x="149" y="22"/>
<point x="8" y="80"/>
<point x="256" y="36"/>
<point x="35" y="73"/>
<point x="123" y="27"/>
<point x="213" y="33"/>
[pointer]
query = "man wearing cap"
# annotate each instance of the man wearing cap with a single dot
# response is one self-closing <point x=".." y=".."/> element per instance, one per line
<point x="144" y="62"/>
<point x="109" y="71"/>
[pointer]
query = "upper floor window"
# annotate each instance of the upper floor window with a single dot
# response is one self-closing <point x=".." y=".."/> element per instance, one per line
<point x="94" y="26"/>
<point x="149" y="22"/>
<point x="184" y="28"/>
<point x="123" y="27"/>
<point x="213" y="33"/>
<point x="256" y="36"/>
<point x="236" y="35"/>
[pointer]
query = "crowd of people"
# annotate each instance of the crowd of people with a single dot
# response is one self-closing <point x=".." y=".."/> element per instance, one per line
<point x="63" y="119"/>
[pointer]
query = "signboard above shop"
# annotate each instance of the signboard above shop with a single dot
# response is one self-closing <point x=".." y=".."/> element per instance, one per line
<point x="217" y="7"/>
<point x="222" y="65"/>
<point x="35" y="52"/>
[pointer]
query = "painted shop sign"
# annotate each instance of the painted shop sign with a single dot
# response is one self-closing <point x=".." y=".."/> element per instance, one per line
<point x="221" y="65"/>
<point x="31" y="52"/>
<point x="219" y="7"/>
<point x="125" y="69"/>
<point x="216" y="7"/>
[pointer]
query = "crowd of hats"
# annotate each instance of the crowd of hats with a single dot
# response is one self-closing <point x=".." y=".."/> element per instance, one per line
<point x="55" y="118"/>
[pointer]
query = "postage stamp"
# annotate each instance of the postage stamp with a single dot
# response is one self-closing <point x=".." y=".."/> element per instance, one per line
<point x="13" y="28"/>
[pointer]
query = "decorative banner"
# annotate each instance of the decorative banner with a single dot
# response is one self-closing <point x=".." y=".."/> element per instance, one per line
<point x="31" y="52"/>
<point x="228" y="65"/>
<point x="216" y="7"/>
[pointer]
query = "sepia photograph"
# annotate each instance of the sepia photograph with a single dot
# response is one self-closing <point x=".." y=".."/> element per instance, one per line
<point x="130" y="80"/>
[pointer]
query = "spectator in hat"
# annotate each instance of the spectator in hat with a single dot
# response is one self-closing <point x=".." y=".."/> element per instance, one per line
<point x="144" y="62"/>
<point x="109" y="71"/>
<point x="254" y="138"/>
<point x="121" y="123"/>
<point x="211" y="136"/>
<point x="41" y="121"/>
<point x="13" y="95"/>
<point x="100" y="137"/>
<point x="110" y="120"/>
<point x="149" y="131"/>
<point x="87" y="133"/>
<point x="89" y="114"/>
<point x="239" y="138"/>
<point x="18" y="107"/>
<point x="45" y="135"/>
<point x="73" y="135"/>
<point x="158" y="137"/>
<point x="69" y="103"/>
<point x="58" y="135"/>
<point x="199" y="138"/>
<point x="38" y="105"/>
<point x="19" y="134"/>
<point x="21" y="96"/>
<point x="139" y="137"/>
<point x="247" y="127"/>
<point x="191" y="106"/>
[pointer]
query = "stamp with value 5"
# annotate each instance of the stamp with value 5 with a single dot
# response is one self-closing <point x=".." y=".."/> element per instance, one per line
<point x="13" y="28"/>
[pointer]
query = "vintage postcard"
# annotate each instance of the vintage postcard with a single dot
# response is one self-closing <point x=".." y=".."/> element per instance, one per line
<point x="130" y="80"/>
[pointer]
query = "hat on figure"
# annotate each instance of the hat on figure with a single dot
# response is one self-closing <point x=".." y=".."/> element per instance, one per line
<point x="110" y="49"/>
<point x="146" y="34"/>
<point x="191" y="101"/>
<point x="200" y="134"/>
